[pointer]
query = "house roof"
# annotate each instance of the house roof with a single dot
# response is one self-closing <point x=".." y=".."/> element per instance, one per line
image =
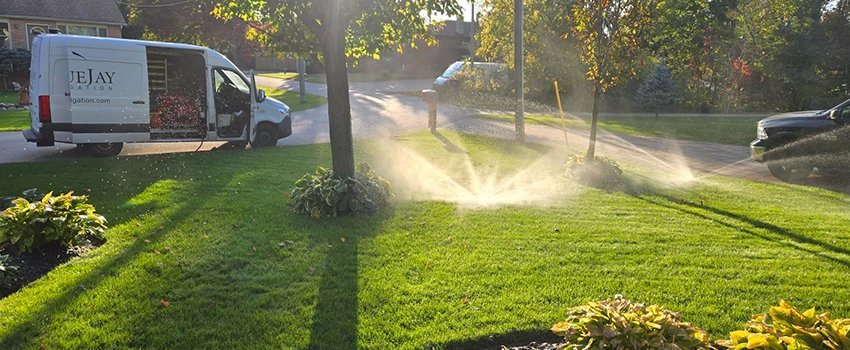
<point x="92" y="11"/>
<point x="453" y="28"/>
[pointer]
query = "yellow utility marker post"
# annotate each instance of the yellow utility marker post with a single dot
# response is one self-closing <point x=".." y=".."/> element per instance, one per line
<point x="563" y="122"/>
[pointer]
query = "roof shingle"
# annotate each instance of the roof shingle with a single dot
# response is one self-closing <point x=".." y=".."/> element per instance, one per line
<point x="95" y="11"/>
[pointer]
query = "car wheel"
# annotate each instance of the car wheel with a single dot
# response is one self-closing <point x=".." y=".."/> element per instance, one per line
<point x="266" y="136"/>
<point x="787" y="166"/>
<point x="108" y="149"/>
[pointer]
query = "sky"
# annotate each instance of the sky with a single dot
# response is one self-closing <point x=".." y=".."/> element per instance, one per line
<point x="467" y="12"/>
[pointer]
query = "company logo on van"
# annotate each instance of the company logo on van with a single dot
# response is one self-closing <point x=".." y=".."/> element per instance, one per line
<point x="91" y="79"/>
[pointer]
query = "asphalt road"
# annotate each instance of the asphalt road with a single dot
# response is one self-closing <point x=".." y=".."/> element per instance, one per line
<point x="377" y="109"/>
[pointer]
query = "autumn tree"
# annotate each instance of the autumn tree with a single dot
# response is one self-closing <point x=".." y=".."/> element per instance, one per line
<point x="694" y="37"/>
<point x="549" y="56"/>
<point x="609" y="34"/>
<point x="190" y="22"/>
<point x="338" y="30"/>
<point x="779" y="47"/>
<point x="833" y="63"/>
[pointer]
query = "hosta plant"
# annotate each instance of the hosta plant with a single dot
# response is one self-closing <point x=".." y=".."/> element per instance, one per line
<point x="784" y="327"/>
<point x="323" y="194"/>
<point x="602" y="172"/>
<point x="31" y="195"/>
<point x="66" y="219"/>
<point x="8" y="273"/>
<point x="620" y="324"/>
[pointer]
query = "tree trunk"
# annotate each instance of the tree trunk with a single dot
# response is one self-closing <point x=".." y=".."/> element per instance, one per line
<point x="339" y="107"/>
<point x="594" y="117"/>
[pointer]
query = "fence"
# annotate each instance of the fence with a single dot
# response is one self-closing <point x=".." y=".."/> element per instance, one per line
<point x="274" y="64"/>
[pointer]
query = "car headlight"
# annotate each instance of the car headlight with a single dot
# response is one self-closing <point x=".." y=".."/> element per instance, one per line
<point x="760" y="134"/>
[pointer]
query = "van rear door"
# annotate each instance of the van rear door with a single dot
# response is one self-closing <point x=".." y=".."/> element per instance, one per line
<point x="35" y="86"/>
<point x="109" y="95"/>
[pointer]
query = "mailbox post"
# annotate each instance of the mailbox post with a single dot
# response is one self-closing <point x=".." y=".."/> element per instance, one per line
<point x="430" y="96"/>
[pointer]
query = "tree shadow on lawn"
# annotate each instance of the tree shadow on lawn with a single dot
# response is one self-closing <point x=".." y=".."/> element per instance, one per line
<point x="158" y="226"/>
<point x="778" y="232"/>
<point x="335" y="319"/>
<point x="25" y="331"/>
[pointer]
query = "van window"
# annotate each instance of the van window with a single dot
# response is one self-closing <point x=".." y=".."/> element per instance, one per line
<point x="226" y="76"/>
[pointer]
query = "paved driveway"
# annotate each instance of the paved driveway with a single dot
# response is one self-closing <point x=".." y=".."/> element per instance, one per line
<point x="378" y="109"/>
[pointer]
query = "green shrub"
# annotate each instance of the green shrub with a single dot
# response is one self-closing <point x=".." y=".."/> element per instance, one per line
<point x="8" y="273"/>
<point x="602" y="173"/>
<point x="783" y="327"/>
<point x="620" y="324"/>
<point x="31" y="195"/>
<point x="323" y="194"/>
<point x="65" y="218"/>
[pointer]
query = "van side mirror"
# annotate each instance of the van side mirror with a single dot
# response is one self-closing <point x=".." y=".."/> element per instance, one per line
<point x="261" y="95"/>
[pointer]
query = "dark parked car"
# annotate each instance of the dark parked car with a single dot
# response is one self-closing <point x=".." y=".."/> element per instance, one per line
<point x="794" y="144"/>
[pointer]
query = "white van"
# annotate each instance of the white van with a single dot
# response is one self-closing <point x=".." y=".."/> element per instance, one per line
<point x="102" y="92"/>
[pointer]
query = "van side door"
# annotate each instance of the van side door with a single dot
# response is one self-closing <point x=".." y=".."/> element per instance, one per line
<point x="109" y="95"/>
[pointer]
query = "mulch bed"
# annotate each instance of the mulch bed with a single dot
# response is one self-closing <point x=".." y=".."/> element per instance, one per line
<point x="534" y="346"/>
<point x="33" y="265"/>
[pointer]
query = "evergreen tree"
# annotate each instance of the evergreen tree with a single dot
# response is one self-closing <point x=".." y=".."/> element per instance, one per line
<point x="657" y="90"/>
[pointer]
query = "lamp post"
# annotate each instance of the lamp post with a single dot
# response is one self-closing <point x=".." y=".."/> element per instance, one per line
<point x="519" y="62"/>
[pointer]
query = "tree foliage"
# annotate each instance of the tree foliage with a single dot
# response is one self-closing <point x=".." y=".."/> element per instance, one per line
<point x="778" y="49"/>
<point x="723" y="55"/>
<point x="549" y="55"/>
<point x="609" y="35"/>
<point x="14" y="60"/>
<point x="337" y="30"/>
<point x="192" y="23"/>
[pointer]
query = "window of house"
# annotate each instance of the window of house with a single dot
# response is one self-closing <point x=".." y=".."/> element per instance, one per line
<point x="5" y="37"/>
<point x="82" y="30"/>
<point x="33" y="30"/>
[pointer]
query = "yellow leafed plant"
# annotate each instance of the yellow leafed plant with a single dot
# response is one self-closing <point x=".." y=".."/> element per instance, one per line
<point x="784" y="327"/>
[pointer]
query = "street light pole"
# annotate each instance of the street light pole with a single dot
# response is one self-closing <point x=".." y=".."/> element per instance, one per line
<point x="519" y="61"/>
<point x="472" y="34"/>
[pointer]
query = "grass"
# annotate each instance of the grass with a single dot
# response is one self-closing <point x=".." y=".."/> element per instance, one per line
<point x="9" y="97"/>
<point x="19" y="120"/>
<point x="14" y="120"/>
<point x="311" y="78"/>
<point x="359" y="77"/>
<point x="203" y="253"/>
<point x="293" y="99"/>
<point x="728" y="130"/>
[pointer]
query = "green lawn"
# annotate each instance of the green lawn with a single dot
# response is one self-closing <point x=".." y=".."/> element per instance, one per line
<point x="311" y="78"/>
<point x="9" y="97"/>
<point x="14" y="120"/>
<point x="19" y="120"/>
<point x="360" y="77"/>
<point x="203" y="253"/>
<point x="293" y="99"/>
<point x="728" y="130"/>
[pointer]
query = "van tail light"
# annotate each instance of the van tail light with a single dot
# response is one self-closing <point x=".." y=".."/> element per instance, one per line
<point x="44" y="109"/>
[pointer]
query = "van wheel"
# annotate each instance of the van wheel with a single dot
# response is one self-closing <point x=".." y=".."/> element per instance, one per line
<point x="110" y="149"/>
<point x="266" y="136"/>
